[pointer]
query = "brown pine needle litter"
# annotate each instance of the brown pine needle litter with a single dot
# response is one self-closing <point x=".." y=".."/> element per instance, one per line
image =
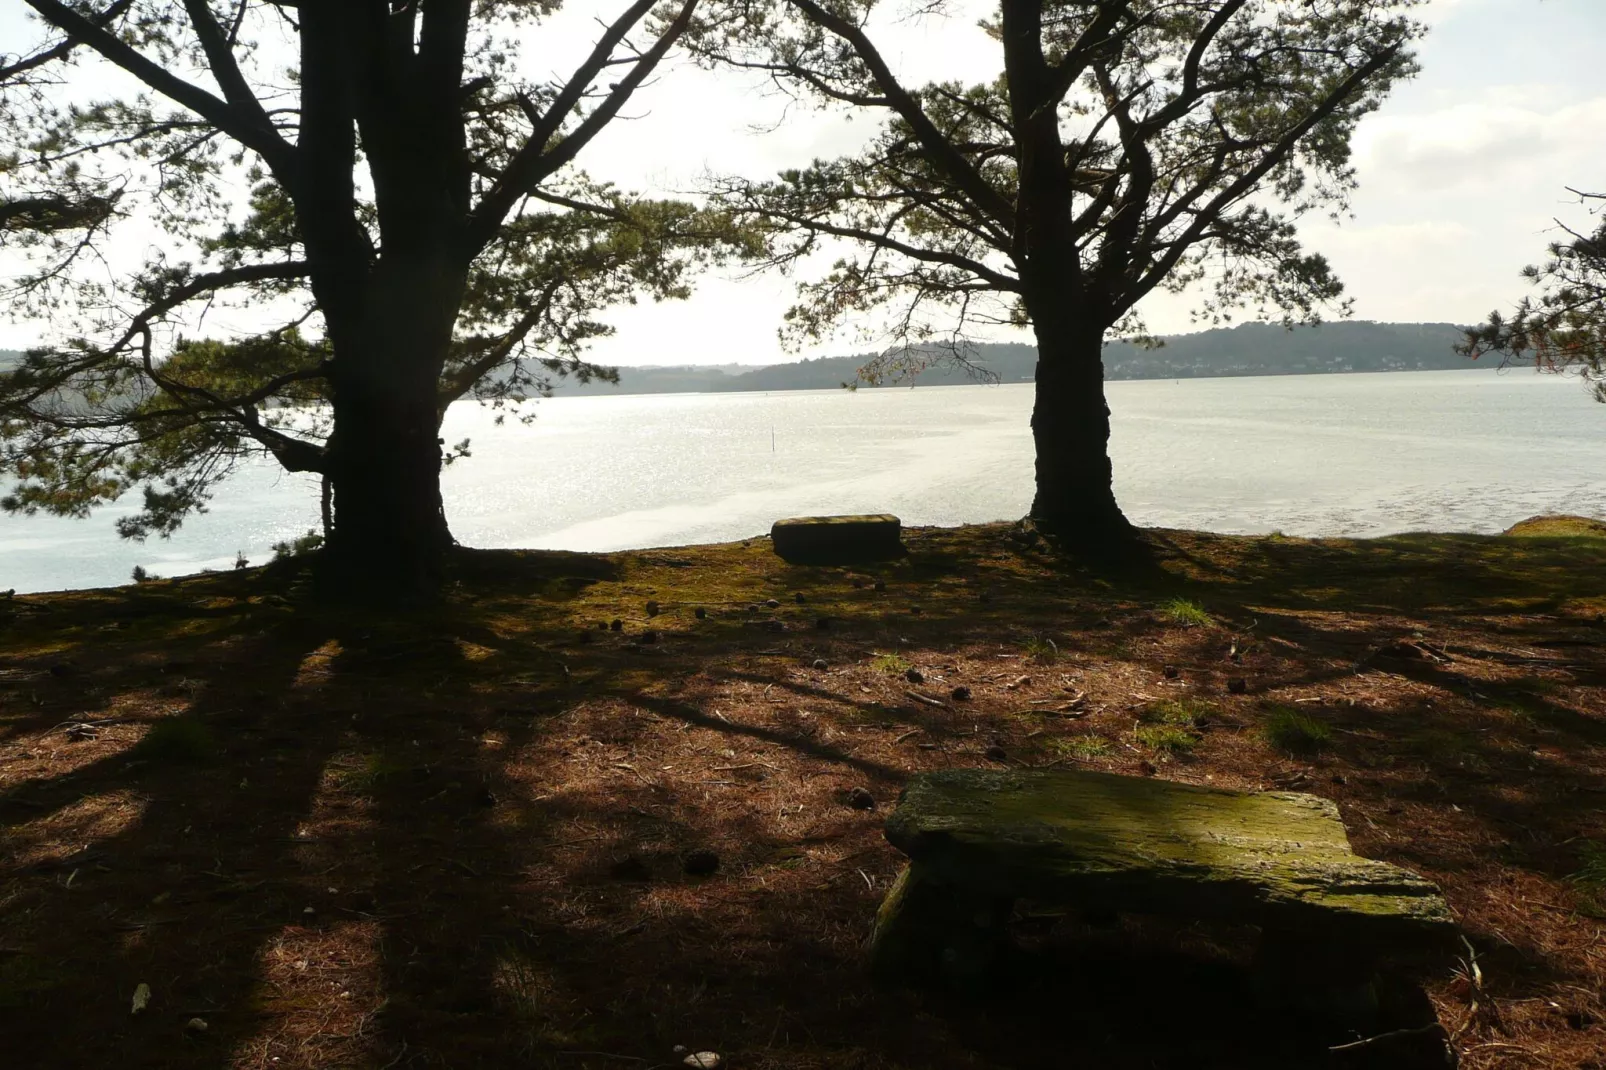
<point x="470" y="837"/>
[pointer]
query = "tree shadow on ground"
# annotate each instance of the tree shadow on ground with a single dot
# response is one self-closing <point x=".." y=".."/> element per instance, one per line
<point x="461" y="837"/>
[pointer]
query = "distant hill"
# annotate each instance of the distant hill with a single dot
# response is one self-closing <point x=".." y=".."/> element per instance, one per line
<point x="1247" y="349"/>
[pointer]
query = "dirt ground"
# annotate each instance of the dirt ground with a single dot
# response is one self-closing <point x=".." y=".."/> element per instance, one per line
<point x="460" y="838"/>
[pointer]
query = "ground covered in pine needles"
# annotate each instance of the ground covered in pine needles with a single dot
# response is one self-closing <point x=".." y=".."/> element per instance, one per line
<point x="462" y="838"/>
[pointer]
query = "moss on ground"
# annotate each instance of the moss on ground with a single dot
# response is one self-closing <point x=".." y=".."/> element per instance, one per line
<point x="362" y="838"/>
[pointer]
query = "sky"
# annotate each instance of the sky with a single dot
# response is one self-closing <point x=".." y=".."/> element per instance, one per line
<point x="1462" y="173"/>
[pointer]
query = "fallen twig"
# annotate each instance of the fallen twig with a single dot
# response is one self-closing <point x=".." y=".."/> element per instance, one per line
<point x="1383" y="1038"/>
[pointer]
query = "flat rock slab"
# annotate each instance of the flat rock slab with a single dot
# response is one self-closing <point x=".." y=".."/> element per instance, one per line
<point x="832" y="540"/>
<point x="1280" y="860"/>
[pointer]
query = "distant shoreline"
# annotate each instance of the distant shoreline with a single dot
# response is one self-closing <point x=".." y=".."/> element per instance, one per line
<point x="1249" y="349"/>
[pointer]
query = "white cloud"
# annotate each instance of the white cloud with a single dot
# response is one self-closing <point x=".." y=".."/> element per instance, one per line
<point x="1487" y="145"/>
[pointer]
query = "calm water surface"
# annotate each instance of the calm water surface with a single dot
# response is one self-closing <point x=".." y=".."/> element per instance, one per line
<point x="1362" y="454"/>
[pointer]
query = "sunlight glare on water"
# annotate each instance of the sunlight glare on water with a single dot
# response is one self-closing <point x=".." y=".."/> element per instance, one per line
<point x="1360" y="454"/>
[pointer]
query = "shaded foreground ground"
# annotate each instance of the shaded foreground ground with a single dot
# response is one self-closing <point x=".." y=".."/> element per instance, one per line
<point x="458" y="839"/>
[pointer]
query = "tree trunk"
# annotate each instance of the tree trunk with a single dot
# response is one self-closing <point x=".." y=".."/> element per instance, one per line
<point x="1071" y="432"/>
<point x="389" y="537"/>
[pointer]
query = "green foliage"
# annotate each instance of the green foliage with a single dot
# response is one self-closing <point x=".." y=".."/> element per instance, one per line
<point x="369" y="773"/>
<point x="1294" y="732"/>
<point x="1592" y="874"/>
<point x="301" y="544"/>
<point x="1166" y="738"/>
<point x="1182" y="713"/>
<point x="176" y="741"/>
<point x="1041" y="649"/>
<point x="1181" y="145"/>
<point x="893" y="664"/>
<point x="1187" y="613"/>
<point x="491" y="267"/>
<point x="1562" y="327"/>
<point x="1082" y="748"/>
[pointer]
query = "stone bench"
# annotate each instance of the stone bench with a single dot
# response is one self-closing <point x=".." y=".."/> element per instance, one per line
<point x="979" y="840"/>
<point x="837" y="540"/>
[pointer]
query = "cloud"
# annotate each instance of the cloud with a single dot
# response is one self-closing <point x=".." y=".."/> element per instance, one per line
<point x="1483" y="144"/>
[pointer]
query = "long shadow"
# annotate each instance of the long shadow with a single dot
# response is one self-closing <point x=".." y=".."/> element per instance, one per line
<point x="373" y="823"/>
<point x="185" y="880"/>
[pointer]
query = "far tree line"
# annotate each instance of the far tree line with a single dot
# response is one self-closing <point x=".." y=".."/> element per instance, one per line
<point x="412" y="204"/>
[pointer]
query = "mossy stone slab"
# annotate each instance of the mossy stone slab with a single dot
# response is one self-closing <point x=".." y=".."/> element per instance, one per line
<point x="837" y="539"/>
<point x="1280" y="860"/>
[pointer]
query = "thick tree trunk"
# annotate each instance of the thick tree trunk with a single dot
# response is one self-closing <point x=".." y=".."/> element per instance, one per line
<point x="389" y="535"/>
<point x="388" y="538"/>
<point x="1071" y="431"/>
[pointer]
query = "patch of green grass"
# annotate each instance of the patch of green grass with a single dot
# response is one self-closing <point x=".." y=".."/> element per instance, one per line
<point x="1166" y="738"/>
<point x="1187" y="613"/>
<point x="1294" y="732"/>
<point x="25" y="980"/>
<point x="369" y="772"/>
<point x="894" y="664"/>
<point x="1590" y="880"/>
<point x="176" y="740"/>
<point x="1041" y="649"/>
<point x="1084" y="748"/>
<point x="1181" y="713"/>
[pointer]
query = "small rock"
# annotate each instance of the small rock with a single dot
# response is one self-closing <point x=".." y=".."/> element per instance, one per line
<point x="770" y="603"/>
<point x="960" y="694"/>
<point x="880" y="585"/>
<point x="775" y="626"/>
<point x="616" y="625"/>
<point x="602" y="625"/>
<point x="701" y="613"/>
<point x="649" y="636"/>
<point x="630" y="868"/>
<point x="1238" y="685"/>
<point x="821" y="664"/>
<point x="800" y="598"/>
<point x="584" y="637"/>
<point x="704" y="1060"/>
<point x="915" y="676"/>
<point x="307" y="912"/>
<point x="700" y="863"/>
<point x="652" y="609"/>
<point x="1171" y="672"/>
<point x="1579" y="1019"/>
<point x="860" y="799"/>
<point x="858" y="584"/>
<point x="142" y="998"/>
<point x="195" y="1025"/>
<point x="679" y="1049"/>
<point x="61" y="668"/>
<point x="1147" y="768"/>
<point x="995" y="753"/>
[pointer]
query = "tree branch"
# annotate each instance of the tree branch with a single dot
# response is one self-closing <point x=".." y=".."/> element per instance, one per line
<point x="944" y="156"/>
<point x="264" y="140"/>
<point x="537" y="157"/>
